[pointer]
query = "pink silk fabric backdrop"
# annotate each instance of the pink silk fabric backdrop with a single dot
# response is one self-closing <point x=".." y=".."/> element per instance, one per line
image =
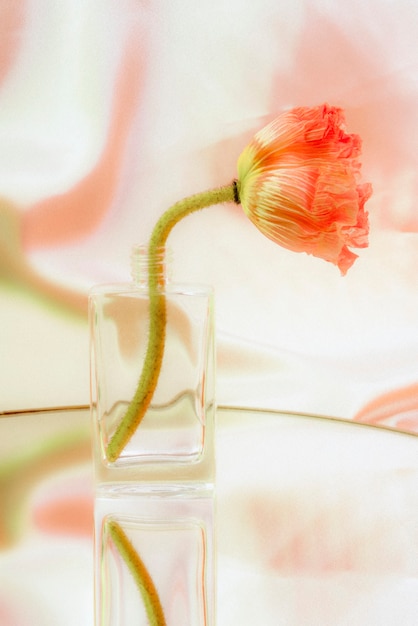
<point x="108" y="116"/>
<point x="112" y="111"/>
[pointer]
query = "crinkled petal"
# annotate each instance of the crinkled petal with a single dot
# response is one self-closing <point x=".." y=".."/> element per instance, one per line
<point x="298" y="183"/>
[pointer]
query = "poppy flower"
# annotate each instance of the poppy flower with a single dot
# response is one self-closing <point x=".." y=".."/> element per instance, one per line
<point x="299" y="183"/>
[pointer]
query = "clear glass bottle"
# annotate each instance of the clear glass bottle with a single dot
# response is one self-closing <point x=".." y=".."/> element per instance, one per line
<point x="159" y="491"/>
<point x="175" y="440"/>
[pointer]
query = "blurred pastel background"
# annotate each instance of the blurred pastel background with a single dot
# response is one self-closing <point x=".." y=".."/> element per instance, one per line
<point x="110" y="111"/>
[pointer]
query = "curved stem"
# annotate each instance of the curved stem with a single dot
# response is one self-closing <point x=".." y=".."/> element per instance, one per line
<point x="139" y="572"/>
<point x="158" y="313"/>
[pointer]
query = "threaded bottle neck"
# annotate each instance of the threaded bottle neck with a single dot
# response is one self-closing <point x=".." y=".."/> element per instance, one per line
<point x="143" y="265"/>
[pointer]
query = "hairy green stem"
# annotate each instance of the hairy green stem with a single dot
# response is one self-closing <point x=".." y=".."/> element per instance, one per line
<point x="158" y="313"/>
<point x="139" y="572"/>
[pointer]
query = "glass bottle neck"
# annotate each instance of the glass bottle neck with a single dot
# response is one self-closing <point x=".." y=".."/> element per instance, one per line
<point x="143" y="265"/>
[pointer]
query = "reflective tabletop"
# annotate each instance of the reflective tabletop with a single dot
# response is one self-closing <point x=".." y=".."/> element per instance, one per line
<point x="316" y="523"/>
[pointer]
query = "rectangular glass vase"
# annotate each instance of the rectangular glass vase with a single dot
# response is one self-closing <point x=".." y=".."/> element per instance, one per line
<point x="175" y="439"/>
